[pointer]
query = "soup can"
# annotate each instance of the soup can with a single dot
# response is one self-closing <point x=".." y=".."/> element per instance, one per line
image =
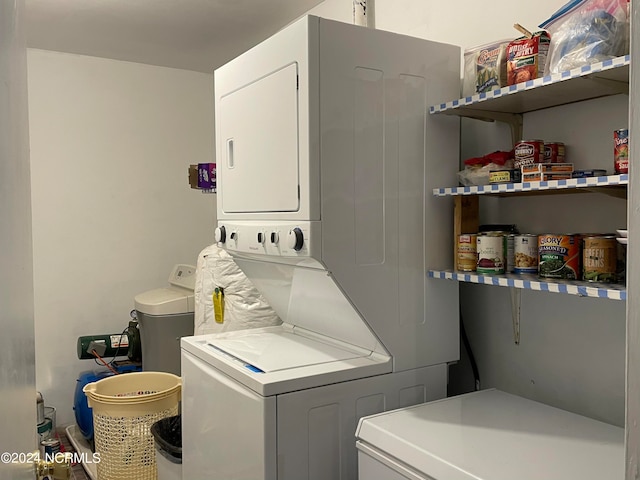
<point x="622" y="263"/>
<point x="492" y="249"/>
<point x="528" y="152"/>
<point x="49" y="448"/>
<point x="554" y="152"/>
<point x="467" y="253"/>
<point x="600" y="258"/>
<point x="509" y="263"/>
<point x="559" y="256"/>
<point x="526" y="254"/>
<point x="45" y="429"/>
<point x="621" y="151"/>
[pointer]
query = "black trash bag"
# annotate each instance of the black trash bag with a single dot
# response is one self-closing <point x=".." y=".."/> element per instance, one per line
<point x="167" y="434"/>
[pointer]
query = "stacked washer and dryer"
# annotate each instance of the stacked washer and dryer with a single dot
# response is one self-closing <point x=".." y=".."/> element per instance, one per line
<point x="326" y="161"/>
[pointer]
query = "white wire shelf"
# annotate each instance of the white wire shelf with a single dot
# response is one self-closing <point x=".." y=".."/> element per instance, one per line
<point x="601" y="79"/>
<point x="509" y="188"/>
<point x="533" y="282"/>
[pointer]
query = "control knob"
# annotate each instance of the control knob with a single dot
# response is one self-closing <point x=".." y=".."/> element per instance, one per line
<point x="295" y="239"/>
<point x="260" y="238"/>
<point x="275" y="238"/>
<point x="220" y="234"/>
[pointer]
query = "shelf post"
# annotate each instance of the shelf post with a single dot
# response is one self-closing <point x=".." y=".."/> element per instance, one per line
<point x="515" y="294"/>
<point x="465" y="219"/>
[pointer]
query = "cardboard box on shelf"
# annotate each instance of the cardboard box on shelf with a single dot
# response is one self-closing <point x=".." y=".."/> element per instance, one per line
<point x="548" y="168"/>
<point x="544" y="177"/>
<point x="193" y="176"/>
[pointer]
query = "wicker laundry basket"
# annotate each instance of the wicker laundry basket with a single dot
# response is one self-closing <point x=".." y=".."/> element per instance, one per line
<point x="124" y="409"/>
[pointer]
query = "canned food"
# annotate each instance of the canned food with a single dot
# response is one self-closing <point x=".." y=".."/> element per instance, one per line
<point x="600" y="258"/>
<point x="44" y="429"/>
<point x="511" y="254"/>
<point x="467" y="253"/>
<point x="49" y="448"/>
<point x="559" y="256"/>
<point x="554" y="152"/>
<point x="621" y="150"/>
<point x="528" y="152"/>
<point x="595" y="172"/>
<point x="622" y="263"/>
<point x="526" y="254"/>
<point x="491" y="254"/>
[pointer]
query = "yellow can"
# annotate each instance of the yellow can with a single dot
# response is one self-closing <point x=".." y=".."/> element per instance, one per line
<point x="600" y="258"/>
<point x="467" y="253"/>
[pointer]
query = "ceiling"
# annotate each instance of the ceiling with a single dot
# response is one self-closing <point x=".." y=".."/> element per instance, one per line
<point x="195" y="35"/>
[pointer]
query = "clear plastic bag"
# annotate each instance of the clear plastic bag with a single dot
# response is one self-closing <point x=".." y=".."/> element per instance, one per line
<point x="478" y="169"/>
<point x="485" y="67"/>
<point x="585" y="32"/>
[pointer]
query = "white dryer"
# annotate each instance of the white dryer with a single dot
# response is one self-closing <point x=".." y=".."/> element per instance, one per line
<point x="326" y="162"/>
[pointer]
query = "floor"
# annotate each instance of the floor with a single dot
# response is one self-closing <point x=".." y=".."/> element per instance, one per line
<point x="77" y="471"/>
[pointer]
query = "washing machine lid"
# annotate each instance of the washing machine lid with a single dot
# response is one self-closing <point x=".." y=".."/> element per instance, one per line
<point x="278" y="350"/>
<point x="284" y="358"/>
<point x="497" y="436"/>
<point x="165" y="301"/>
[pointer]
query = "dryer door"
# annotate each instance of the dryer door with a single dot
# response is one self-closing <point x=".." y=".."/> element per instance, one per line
<point x="259" y="130"/>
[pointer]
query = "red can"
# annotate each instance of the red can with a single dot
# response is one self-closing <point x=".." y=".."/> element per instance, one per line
<point x="554" y="152"/>
<point x="528" y="152"/>
<point x="621" y="150"/>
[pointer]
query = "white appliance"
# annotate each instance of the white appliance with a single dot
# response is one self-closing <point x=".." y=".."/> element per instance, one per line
<point x="164" y="316"/>
<point x="488" y="435"/>
<point x="326" y="161"/>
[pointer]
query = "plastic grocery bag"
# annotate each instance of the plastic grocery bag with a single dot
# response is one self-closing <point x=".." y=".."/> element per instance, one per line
<point x="477" y="169"/>
<point x="244" y="306"/>
<point x="585" y="32"/>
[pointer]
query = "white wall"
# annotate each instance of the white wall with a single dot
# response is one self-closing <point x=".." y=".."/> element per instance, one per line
<point x="465" y="22"/>
<point x="112" y="208"/>
<point x="572" y="350"/>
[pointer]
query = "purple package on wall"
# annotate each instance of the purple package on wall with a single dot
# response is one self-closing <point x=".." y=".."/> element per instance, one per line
<point x="207" y="176"/>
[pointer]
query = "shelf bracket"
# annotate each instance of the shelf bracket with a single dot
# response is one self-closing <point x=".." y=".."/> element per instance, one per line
<point x="515" y="294"/>
<point x="514" y="120"/>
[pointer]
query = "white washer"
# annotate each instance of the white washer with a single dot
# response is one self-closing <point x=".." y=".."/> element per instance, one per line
<point x="274" y="403"/>
<point x="488" y="435"/>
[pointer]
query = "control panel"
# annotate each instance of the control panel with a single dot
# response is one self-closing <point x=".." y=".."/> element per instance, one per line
<point x="283" y="239"/>
<point x="183" y="276"/>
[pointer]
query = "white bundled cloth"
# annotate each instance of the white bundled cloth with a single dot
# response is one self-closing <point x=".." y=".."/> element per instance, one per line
<point x="244" y="305"/>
